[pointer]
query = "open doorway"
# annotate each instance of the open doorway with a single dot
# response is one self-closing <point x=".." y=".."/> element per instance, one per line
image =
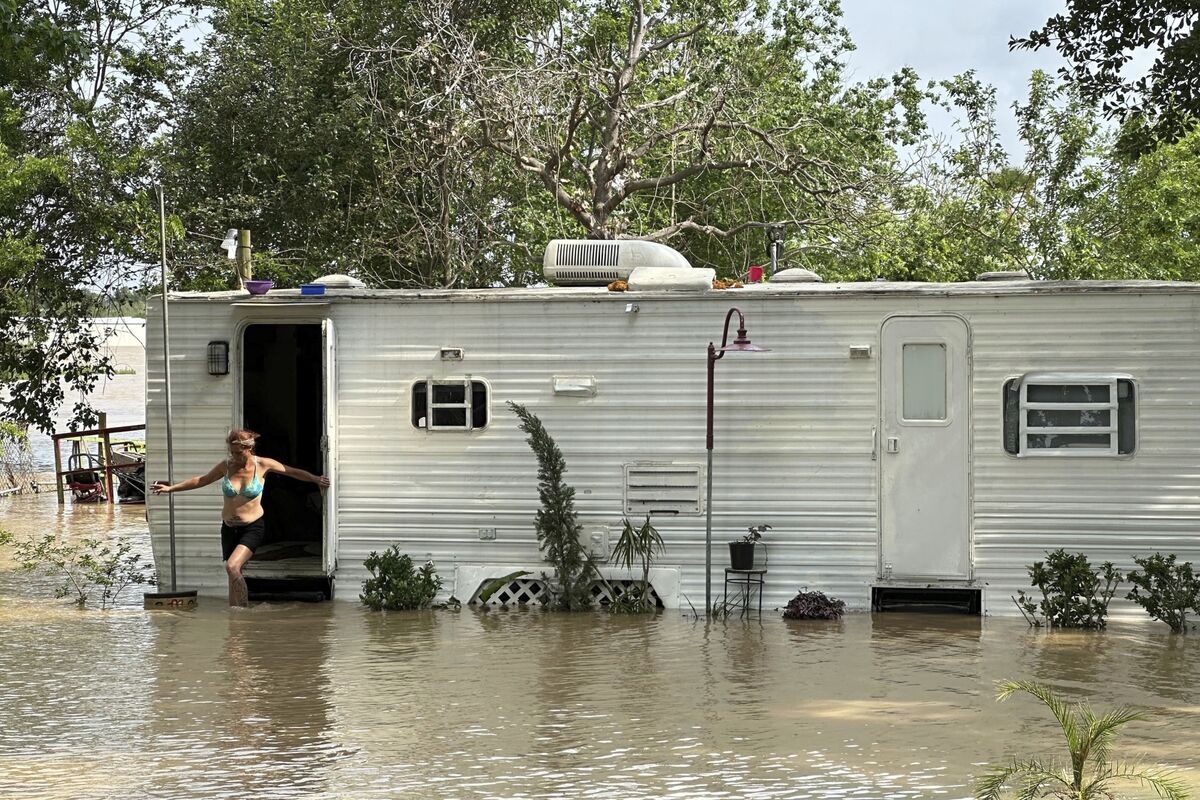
<point x="283" y="400"/>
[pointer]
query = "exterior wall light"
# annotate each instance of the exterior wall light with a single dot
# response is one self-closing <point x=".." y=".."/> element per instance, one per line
<point x="218" y="358"/>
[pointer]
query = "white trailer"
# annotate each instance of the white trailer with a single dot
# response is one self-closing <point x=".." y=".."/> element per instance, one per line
<point x="937" y="437"/>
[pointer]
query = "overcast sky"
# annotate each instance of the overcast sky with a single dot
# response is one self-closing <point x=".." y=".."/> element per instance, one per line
<point x="942" y="38"/>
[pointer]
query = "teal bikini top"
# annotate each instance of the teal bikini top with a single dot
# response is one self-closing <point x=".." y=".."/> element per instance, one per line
<point x="250" y="491"/>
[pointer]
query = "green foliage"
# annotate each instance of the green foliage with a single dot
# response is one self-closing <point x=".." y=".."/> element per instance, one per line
<point x="557" y="523"/>
<point x="1088" y="773"/>
<point x="1165" y="589"/>
<point x="84" y="568"/>
<point x="395" y="585"/>
<point x="1101" y="39"/>
<point x="84" y="95"/>
<point x="637" y="546"/>
<point x="1073" y="594"/>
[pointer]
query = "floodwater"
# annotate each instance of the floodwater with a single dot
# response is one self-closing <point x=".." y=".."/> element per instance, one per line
<point x="331" y="701"/>
<point x="122" y="397"/>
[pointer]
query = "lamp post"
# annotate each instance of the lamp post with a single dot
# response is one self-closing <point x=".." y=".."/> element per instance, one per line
<point x="741" y="344"/>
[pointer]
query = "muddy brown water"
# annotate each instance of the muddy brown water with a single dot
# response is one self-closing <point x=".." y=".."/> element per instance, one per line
<point x="331" y="701"/>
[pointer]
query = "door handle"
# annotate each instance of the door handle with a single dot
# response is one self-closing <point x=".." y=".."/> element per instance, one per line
<point x="893" y="444"/>
<point x="874" y="444"/>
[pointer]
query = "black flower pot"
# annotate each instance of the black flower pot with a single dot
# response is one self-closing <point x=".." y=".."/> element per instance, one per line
<point x="741" y="555"/>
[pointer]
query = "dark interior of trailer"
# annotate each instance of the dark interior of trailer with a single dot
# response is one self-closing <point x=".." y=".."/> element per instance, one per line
<point x="282" y="399"/>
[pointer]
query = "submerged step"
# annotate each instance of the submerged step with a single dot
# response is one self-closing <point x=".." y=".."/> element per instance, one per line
<point x="290" y="590"/>
<point x="931" y="598"/>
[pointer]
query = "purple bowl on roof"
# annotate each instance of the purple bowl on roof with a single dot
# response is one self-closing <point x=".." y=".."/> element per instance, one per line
<point x="258" y="287"/>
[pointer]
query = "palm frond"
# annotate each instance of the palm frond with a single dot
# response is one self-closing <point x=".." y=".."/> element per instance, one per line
<point x="990" y="785"/>
<point x="1102" y="730"/>
<point x="1058" y="707"/>
<point x="1034" y="775"/>
<point x="1164" y="783"/>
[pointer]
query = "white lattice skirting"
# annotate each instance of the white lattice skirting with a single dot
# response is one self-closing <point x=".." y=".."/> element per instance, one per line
<point x="531" y="589"/>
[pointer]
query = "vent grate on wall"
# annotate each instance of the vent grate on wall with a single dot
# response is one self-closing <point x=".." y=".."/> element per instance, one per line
<point x="528" y="591"/>
<point x="662" y="489"/>
<point x="587" y="254"/>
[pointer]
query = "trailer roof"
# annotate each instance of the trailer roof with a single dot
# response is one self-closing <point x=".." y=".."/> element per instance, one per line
<point x="762" y="290"/>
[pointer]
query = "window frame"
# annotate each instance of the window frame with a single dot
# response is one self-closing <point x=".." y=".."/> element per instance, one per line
<point x="467" y="406"/>
<point x="1111" y="379"/>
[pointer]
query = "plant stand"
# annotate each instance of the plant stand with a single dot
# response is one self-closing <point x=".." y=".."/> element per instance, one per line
<point x="746" y="584"/>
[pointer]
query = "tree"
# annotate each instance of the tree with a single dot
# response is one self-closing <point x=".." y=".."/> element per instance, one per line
<point x="1089" y="774"/>
<point x="701" y="125"/>
<point x="341" y="135"/>
<point x="1101" y="39"/>
<point x="83" y="88"/>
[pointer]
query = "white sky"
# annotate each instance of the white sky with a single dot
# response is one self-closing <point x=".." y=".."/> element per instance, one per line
<point x="942" y="38"/>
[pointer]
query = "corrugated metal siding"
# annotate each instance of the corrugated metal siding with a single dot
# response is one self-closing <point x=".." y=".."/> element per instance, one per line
<point x="792" y="428"/>
<point x="788" y="452"/>
<point x="203" y="411"/>
<point x="1110" y="509"/>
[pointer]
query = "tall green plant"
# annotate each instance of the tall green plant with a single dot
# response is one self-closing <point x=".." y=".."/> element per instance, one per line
<point x="1088" y="773"/>
<point x="557" y="523"/>
<point x="637" y="546"/>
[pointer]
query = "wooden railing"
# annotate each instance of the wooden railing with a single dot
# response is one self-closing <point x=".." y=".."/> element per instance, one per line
<point x="104" y="433"/>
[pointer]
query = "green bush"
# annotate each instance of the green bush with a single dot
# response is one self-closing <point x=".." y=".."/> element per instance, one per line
<point x="83" y="568"/>
<point x="395" y="585"/>
<point x="1165" y="589"/>
<point x="1073" y="594"/>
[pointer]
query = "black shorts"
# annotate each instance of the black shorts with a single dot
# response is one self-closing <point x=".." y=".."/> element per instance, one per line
<point x="252" y="535"/>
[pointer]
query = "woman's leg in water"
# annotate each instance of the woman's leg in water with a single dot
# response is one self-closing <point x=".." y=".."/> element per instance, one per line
<point x="238" y="594"/>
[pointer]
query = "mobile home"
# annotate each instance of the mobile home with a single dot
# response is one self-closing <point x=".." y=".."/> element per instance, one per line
<point x="939" y="436"/>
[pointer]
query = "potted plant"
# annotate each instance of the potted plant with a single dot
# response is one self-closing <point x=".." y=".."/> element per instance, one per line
<point x="741" y="552"/>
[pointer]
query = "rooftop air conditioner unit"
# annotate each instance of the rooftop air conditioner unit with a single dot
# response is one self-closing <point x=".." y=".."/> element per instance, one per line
<point x="588" y="262"/>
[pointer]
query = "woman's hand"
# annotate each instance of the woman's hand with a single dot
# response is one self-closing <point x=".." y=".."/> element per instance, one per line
<point x="323" y="482"/>
<point x="161" y="487"/>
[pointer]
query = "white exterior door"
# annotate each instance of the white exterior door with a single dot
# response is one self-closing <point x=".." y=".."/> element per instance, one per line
<point x="329" y="449"/>
<point x="923" y="439"/>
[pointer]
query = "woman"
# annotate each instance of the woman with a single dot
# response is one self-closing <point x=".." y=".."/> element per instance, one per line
<point x="242" y="525"/>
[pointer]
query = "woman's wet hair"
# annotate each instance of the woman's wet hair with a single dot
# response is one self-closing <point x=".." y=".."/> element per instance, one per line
<point x="242" y="436"/>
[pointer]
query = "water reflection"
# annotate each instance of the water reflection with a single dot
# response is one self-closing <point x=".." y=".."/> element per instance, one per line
<point x="287" y="700"/>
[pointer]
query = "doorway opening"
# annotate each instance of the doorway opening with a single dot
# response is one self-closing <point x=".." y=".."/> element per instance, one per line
<point x="283" y="400"/>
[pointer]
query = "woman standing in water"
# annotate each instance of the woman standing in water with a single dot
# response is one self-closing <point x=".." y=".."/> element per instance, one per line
<point x="242" y="527"/>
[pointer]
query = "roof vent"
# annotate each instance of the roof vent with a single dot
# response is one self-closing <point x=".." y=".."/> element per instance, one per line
<point x="1017" y="275"/>
<point x="796" y="275"/>
<point x="339" y="281"/>
<point x="587" y="262"/>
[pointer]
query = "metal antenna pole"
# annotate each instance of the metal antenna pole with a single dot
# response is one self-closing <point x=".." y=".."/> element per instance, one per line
<point x="162" y="217"/>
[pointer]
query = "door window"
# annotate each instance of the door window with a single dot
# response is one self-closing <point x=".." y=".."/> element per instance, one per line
<point x="924" y="381"/>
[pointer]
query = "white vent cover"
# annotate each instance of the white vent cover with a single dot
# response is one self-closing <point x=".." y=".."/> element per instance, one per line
<point x="796" y="275"/>
<point x="587" y="262"/>
<point x="662" y="489"/>
<point x="339" y="281"/>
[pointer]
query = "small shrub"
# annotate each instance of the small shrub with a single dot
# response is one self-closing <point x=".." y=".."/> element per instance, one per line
<point x="1073" y="594"/>
<point x="82" y="568"/>
<point x="637" y="546"/>
<point x="1165" y="589"/>
<point x="813" y="605"/>
<point x="395" y="585"/>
